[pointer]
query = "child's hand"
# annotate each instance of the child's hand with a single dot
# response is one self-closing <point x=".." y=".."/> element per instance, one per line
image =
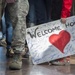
<point x="63" y="20"/>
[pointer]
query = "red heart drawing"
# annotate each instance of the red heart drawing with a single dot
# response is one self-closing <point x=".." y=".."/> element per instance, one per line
<point x="60" y="40"/>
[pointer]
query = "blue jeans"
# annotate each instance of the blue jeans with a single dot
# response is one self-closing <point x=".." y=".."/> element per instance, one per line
<point x="37" y="12"/>
<point x="7" y="28"/>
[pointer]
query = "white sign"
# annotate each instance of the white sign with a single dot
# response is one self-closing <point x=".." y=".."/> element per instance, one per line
<point x="50" y="41"/>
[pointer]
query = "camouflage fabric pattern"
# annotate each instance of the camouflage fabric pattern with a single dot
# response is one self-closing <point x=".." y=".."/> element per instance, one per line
<point x="17" y="13"/>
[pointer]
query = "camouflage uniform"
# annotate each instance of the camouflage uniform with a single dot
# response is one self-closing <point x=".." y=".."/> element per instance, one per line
<point x="17" y="12"/>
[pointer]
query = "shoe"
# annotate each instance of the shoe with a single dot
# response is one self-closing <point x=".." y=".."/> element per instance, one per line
<point x="3" y="42"/>
<point x="15" y="63"/>
<point x="9" y="53"/>
<point x="26" y="55"/>
<point x="62" y="61"/>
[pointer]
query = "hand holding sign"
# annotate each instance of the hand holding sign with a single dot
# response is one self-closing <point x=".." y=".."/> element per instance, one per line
<point x="63" y="20"/>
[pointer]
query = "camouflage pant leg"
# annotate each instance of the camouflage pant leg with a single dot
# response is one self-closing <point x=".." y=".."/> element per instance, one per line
<point x="18" y="12"/>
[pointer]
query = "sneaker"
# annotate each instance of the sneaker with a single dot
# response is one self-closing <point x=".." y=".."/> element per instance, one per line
<point x="9" y="53"/>
<point x="15" y="63"/>
<point x="3" y="42"/>
<point x="62" y="61"/>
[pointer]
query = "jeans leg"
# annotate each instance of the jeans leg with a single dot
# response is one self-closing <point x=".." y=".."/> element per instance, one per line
<point x="9" y="28"/>
<point x="3" y="26"/>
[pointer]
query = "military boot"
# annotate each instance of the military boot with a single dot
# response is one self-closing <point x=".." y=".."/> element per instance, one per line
<point x="9" y="53"/>
<point x="15" y="63"/>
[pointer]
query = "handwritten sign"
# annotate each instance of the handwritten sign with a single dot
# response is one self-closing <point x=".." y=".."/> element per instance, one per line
<point x="50" y="41"/>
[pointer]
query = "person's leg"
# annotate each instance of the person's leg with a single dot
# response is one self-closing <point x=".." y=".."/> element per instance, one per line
<point x="48" y="5"/>
<point x="3" y="26"/>
<point x="9" y="31"/>
<point x="55" y="13"/>
<point x="3" y="30"/>
<point x="18" y="12"/>
<point x="2" y="3"/>
<point x="31" y="17"/>
<point x="41" y="13"/>
<point x="36" y="15"/>
<point x="0" y="12"/>
<point x="9" y="28"/>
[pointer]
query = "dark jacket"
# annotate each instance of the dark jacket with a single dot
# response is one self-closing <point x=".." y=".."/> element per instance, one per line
<point x="61" y="9"/>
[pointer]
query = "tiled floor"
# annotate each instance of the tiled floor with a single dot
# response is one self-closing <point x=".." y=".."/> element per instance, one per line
<point x="29" y="69"/>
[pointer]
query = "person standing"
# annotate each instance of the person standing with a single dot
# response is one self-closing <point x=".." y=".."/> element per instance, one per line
<point x="18" y="10"/>
<point x="65" y="13"/>
<point x="37" y="13"/>
<point x="7" y="31"/>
